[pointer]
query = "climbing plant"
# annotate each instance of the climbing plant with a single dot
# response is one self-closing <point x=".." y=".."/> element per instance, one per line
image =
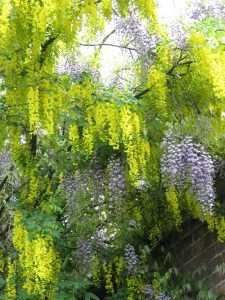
<point x="94" y="176"/>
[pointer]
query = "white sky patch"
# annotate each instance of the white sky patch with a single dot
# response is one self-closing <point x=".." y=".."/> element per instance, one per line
<point x="168" y="10"/>
<point x="111" y="57"/>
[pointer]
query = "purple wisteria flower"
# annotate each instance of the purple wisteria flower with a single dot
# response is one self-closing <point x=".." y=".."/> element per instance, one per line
<point x="116" y="182"/>
<point x="162" y="296"/>
<point x="89" y="182"/>
<point x="5" y="163"/>
<point x="186" y="164"/>
<point x="148" y="291"/>
<point x="131" y="31"/>
<point x="84" y="252"/>
<point x="201" y="10"/>
<point x="131" y="259"/>
<point x="69" y="65"/>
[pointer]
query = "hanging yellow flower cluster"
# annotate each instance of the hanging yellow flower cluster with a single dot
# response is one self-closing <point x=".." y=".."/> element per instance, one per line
<point x="92" y="19"/>
<point x="88" y="141"/>
<point x="134" y="286"/>
<point x="35" y="185"/>
<point x="36" y="34"/>
<point x="52" y="99"/>
<point x="81" y="94"/>
<point x="207" y="69"/>
<point x="38" y="260"/>
<point x="74" y="137"/>
<point x="158" y="91"/>
<point x="33" y="103"/>
<point x="108" y="277"/>
<point x="34" y="188"/>
<point x="4" y="19"/>
<point x="2" y="263"/>
<point x="148" y="9"/>
<point x="137" y="149"/>
<point x="107" y="8"/>
<point x="96" y="271"/>
<point x="115" y="126"/>
<point x="10" y="288"/>
<point x="218" y="73"/>
<point x="174" y="205"/>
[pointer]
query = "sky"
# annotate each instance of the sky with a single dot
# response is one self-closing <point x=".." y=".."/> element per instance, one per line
<point x="168" y="10"/>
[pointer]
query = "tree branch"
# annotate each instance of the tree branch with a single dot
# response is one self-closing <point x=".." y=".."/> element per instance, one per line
<point x="106" y="38"/>
<point x="138" y="96"/>
<point x="110" y="45"/>
<point x="44" y="48"/>
<point x="33" y="145"/>
<point x="3" y="182"/>
<point x="169" y="73"/>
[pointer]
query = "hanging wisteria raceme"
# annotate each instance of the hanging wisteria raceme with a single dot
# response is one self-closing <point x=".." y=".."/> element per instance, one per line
<point x="84" y="253"/>
<point x="8" y="174"/>
<point x="97" y="182"/>
<point x="131" y="259"/>
<point x="5" y="163"/>
<point x="69" y="65"/>
<point x="186" y="164"/>
<point x="148" y="291"/>
<point x="201" y="10"/>
<point x="116" y="179"/>
<point x="89" y="182"/>
<point x="178" y="34"/>
<point x="86" y="248"/>
<point x="74" y="185"/>
<point x="99" y="239"/>
<point x="162" y="296"/>
<point x="133" y="31"/>
<point x="94" y="183"/>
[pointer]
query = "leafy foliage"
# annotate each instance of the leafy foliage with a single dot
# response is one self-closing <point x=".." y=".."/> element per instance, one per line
<point x="90" y="183"/>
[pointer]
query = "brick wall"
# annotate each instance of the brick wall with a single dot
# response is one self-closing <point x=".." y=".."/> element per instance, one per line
<point x="193" y="247"/>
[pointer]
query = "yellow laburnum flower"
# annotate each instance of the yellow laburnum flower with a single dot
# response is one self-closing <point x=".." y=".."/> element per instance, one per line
<point x="88" y="141"/>
<point x="112" y="116"/>
<point x="218" y="74"/>
<point x="74" y="136"/>
<point x="158" y="90"/>
<point x="107" y="8"/>
<point x="108" y="277"/>
<point x="4" y="20"/>
<point x="148" y="9"/>
<point x="10" y="288"/>
<point x="126" y="124"/>
<point x="2" y="262"/>
<point x="33" y="107"/>
<point x="38" y="259"/>
<point x="96" y="271"/>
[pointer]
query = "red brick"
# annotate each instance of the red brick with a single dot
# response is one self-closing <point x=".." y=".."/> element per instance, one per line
<point x="219" y="288"/>
<point x="220" y="247"/>
<point x="202" y="257"/>
<point x="214" y="279"/>
<point x="194" y="246"/>
<point x="211" y="266"/>
<point x="199" y="231"/>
